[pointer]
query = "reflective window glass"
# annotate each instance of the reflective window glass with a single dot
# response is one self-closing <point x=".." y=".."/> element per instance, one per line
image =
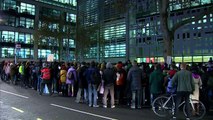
<point x="27" y="8"/>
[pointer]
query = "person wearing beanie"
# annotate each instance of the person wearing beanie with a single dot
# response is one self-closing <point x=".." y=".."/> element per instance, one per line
<point x="135" y="77"/>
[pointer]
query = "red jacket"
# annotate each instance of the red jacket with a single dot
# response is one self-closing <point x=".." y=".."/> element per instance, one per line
<point x="45" y="73"/>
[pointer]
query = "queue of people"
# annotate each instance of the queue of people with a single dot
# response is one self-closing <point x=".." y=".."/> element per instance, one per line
<point x="127" y="83"/>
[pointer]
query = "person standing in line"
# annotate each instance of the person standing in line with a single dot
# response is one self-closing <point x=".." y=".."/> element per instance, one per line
<point x="21" y="72"/>
<point x="156" y="80"/>
<point x="45" y="73"/>
<point x="135" y="77"/>
<point x="82" y="84"/>
<point x="185" y="86"/>
<point x="27" y="74"/>
<point x="109" y="77"/>
<point x="70" y="80"/>
<point x="198" y="85"/>
<point x="62" y="76"/>
<point x="120" y="82"/>
<point x="93" y="82"/>
<point x="13" y="73"/>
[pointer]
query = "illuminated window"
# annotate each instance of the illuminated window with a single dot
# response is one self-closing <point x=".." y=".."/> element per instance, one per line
<point x="178" y="59"/>
<point x="115" y="50"/>
<point x="9" y="4"/>
<point x="70" y="17"/>
<point x="27" y="8"/>
<point x="205" y="2"/>
<point x="8" y="36"/>
<point x="42" y="53"/>
<point x="7" y="52"/>
<point x="197" y="58"/>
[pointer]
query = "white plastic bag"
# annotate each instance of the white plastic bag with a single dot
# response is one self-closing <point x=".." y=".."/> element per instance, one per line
<point x="46" y="91"/>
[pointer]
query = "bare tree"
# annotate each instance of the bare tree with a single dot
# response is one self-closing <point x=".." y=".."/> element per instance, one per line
<point x="168" y="33"/>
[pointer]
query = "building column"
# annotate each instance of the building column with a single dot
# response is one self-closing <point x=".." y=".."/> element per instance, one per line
<point x="127" y="35"/>
<point x="36" y="36"/>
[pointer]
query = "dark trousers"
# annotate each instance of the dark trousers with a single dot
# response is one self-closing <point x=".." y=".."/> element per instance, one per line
<point x="179" y="96"/>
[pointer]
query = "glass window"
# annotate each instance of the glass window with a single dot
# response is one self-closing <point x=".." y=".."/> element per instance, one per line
<point x="9" y="4"/>
<point x="27" y="8"/>
<point x="187" y="59"/>
<point x="178" y="59"/>
<point x="71" y="43"/>
<point x="10" y="21"/>
<point x="197" y="58"/>
<point x="65" y="42"/>
<point x="205" y="2"/>
<point x="71" y="17"/>
<point x="30" y="23"/>
<point x="206" y="58"/>
<point x="118" y="50"/>
<point x="8" y="36"/>
<point x="7" y="52"/>
<point x="25" y="22"/>
<point x="22" y="22"/>
<point x="25" y="53"/>
<point x="29" y="39"/>
<point x="42" y="53"/>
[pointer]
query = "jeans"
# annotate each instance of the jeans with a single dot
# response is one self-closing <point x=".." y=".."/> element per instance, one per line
<point x="179" y="96"/>
<point x="54" y="86"/>
<point x="136" y="94"/>
<point x="78" y="97"/>
<point x="39" y="83"/>
<point x="13" y="79"/>
<point x="92" y="90"/>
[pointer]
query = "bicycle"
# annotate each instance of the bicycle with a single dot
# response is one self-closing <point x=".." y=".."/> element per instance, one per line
<point x="164" y="106"/>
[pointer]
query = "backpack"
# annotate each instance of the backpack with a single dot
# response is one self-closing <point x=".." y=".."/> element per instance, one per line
<point x="170" y="88"/>
<point x="70" y="75"/>
<point x="120" y="79"/>
<point x="96" y="77"/>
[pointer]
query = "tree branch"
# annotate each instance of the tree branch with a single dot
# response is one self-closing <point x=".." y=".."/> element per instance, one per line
<point x="189" y="20"/>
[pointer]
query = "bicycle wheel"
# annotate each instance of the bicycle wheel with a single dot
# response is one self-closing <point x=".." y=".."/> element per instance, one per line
<point x="197" y="110"/>
<point x="158" y="106"/>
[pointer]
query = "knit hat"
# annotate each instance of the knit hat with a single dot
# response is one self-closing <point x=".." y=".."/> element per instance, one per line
<point x="109" y="65"/>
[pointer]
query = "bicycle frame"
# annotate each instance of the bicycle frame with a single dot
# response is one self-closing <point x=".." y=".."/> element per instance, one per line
<point x="173" y="102"/>
<point x="169" y="98"/>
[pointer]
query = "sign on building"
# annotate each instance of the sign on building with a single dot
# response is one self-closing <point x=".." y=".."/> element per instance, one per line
<point x="50" y="58"/>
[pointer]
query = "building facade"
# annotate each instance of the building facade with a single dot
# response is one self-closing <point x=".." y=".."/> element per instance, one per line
<point x="34" y="29"/>
<point x="110" y="30"/>
<point x="136" y="33"/>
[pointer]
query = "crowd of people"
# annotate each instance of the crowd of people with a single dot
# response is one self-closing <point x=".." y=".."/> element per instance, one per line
<point x="128" y="83"/>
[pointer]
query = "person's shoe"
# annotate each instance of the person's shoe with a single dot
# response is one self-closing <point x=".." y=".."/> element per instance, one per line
<point x="77" y="101"/>
<point x="112" y="106"/>
<point x="139" y="107"/>
<point x="95" y="106"/>
<point x="133" y="107"/>
<point x="173" y="118"/>
<point x="187" y="118"/>
<point x="104" y="106"/>
<point x="90" y="105"/>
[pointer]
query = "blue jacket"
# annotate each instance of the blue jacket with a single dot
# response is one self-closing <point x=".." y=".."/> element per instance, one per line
<point x="88" y="74"/>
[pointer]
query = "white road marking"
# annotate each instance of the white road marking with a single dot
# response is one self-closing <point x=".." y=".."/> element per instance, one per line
<point x="14" y="94"/>
<point x="1" y="102"/>
<point x="39" y="119"/>
<point x="83" y="112"/>
<point x="19" y="110"/>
